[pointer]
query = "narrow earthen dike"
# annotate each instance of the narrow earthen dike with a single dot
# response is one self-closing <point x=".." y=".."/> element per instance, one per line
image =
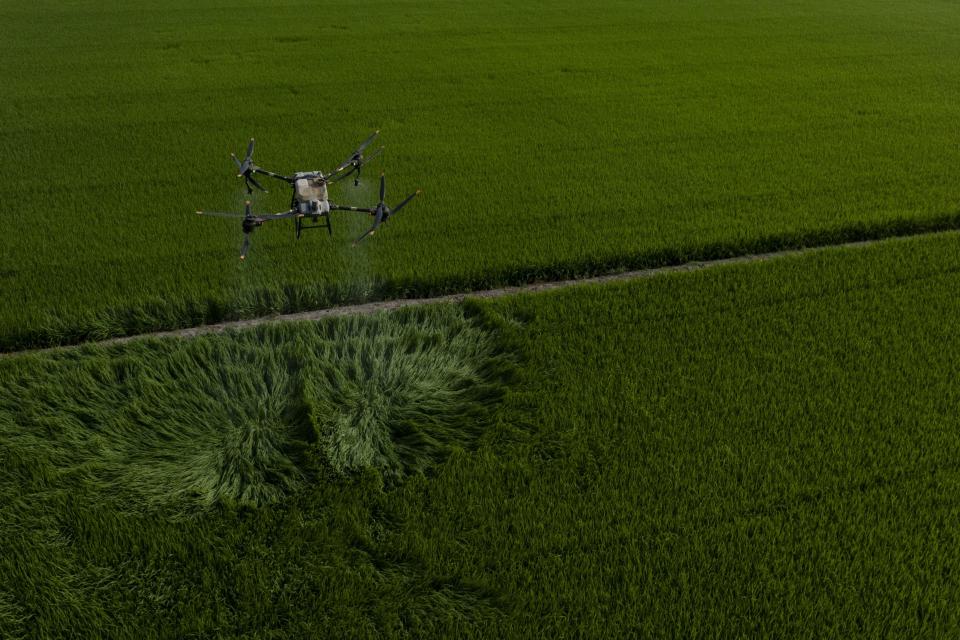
<point x="386" y="305"/>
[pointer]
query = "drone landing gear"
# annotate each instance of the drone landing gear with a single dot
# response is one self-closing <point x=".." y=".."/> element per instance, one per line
<point x="302" y="227"/>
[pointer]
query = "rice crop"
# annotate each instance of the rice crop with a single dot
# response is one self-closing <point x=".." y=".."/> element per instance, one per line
<point x="397" y="397"/>
<point x="119" y="466"/>
<point x="224" y="420"/>
<point x="550" y="139"/>
<point x="765" y="450"/>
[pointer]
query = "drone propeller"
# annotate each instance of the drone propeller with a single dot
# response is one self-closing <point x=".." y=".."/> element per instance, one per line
<point x="251" y="221"/>
<point x="246" y="169"/>
<point x="356" y="161"/>
<point x="382" y="213"/>
<point x="356" y="168"/>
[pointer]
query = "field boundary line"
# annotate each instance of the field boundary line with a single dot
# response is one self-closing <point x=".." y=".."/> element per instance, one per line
<point x="367" y="308"/>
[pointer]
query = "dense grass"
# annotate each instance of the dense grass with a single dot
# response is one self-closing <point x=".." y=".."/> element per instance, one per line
<point x="765" y="450"/>
<point x="551" y="139"/>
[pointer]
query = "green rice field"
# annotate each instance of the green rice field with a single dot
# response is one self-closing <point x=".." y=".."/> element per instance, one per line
<point x="766" y="450"/>
<point x="551" y="139"/>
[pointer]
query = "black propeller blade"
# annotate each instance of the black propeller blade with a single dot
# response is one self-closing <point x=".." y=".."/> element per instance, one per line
<point x="243" y="168"/>
<point x="245" y="246"/>
<point x="410" y="197"/>
<point x="366" y="143"/>
<point x="250" y="222"/>
<point x="373" y="156"/>
<point x="377" y="220"/>
<point x="249" y="159"/>
<point x="250" y="181"/>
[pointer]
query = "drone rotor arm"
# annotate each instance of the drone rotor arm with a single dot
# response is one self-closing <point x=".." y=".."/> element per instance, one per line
<point x="339" y="207"/>
<point x="292" y="213"/>
<point x="271" y="174"/>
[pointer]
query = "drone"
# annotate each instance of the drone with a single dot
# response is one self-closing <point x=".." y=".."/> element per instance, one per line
<point x="309" y="198"/>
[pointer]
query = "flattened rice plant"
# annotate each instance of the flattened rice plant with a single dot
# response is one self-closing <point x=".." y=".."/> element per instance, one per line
<point x="397" y="396"/>
<point x="189" y="424"/>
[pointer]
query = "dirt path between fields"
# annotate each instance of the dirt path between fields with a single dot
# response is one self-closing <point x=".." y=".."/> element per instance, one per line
<point x="387" y="305"/>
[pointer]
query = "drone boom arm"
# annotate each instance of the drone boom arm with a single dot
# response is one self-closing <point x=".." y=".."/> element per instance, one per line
<point x="338" y="207"/>
<point x="272" y="174"/>
<point x="292" y="213"/>
<point x="220" y="214"/>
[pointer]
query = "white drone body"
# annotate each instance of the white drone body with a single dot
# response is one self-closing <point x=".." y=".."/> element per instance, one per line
<point x="310" y="194"/>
